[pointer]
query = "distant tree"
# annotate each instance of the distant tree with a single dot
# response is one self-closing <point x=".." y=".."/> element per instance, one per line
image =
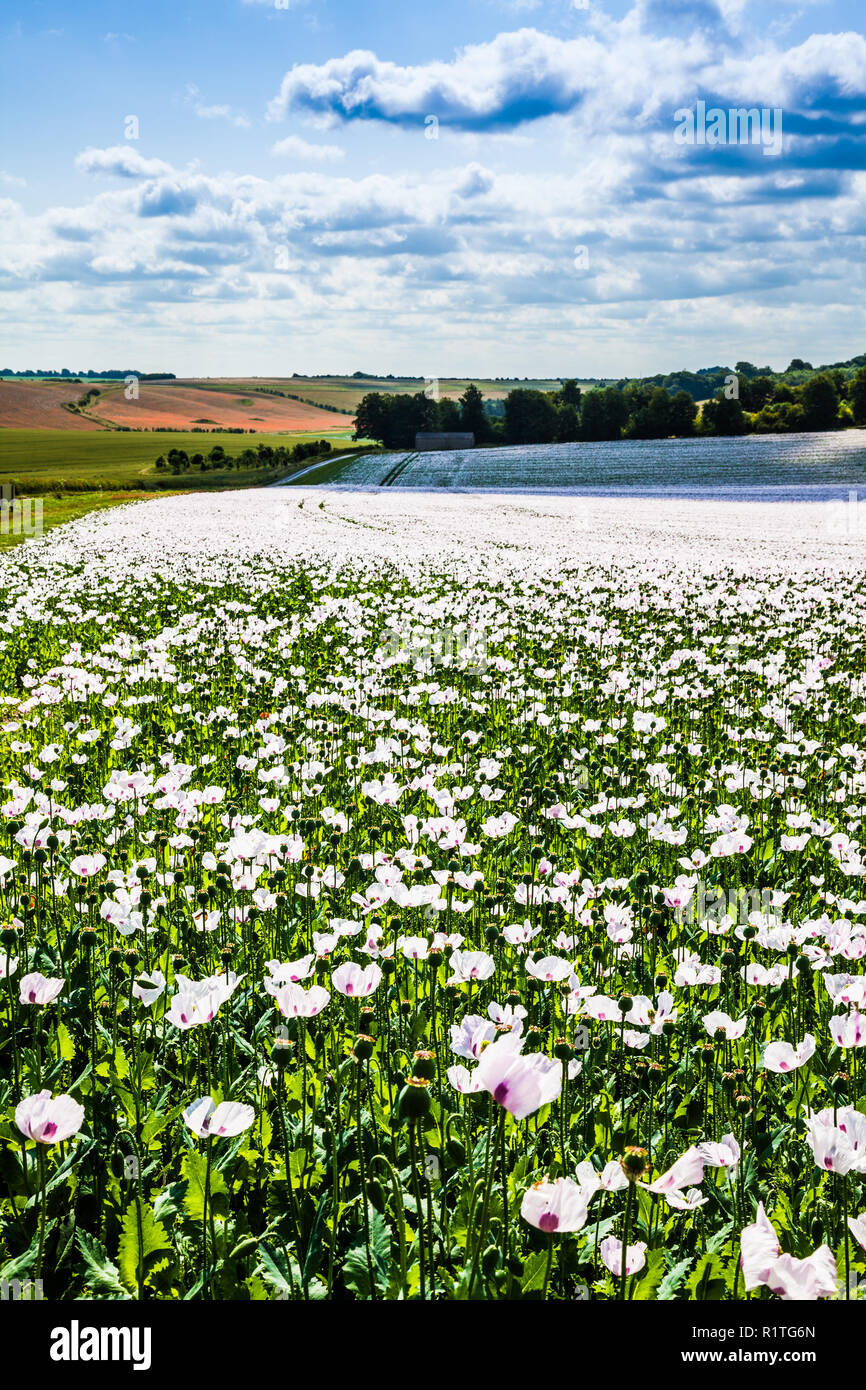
<point x="604" y="414"/>
<point x="723" y="416"/>
<point x="797" y="364"/>
<point x="567" y="423"/>
<point x="530" y="417"/>
<point x="820" y="401"/>
<point x="857" y="396"/>
<point x="472" y="416"/>
<point x="449" y="416"/>
<point x="570" y="393"/>
<point x="682" y="415"/>
<point x="372" y="416"/>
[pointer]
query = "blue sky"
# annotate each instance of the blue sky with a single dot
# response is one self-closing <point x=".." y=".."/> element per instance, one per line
<point x="281" y="205"/>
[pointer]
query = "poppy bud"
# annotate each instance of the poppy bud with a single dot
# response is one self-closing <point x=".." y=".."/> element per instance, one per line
<point x="625" y="1003"/>
<point x="634" y="1162"/>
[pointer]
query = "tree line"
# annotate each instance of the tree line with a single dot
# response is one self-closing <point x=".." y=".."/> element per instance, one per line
<point x="178" y="461"/>
<point x="748" y="402"/>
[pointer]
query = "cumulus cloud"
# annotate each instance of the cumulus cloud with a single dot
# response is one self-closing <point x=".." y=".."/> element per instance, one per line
<point x="620" y="74"/>
<point x="123" y="161"/>
<point x="685" y="244"/>
<point x="293" y="147"/>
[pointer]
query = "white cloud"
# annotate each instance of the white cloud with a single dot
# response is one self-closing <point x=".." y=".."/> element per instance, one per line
<point x="214" y="113"/>
<point x="293" y="147"/>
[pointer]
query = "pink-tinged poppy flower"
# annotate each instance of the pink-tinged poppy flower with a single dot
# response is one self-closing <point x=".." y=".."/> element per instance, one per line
<point x="464" y="1080"/>
<point x="840" y="1146"/>
<point x="521" y="1085"/>
<point x="211" y="1121"/>
<point x="8" y="967"/>
<point x="688" y="1170"/>
<point x="353" y="980"/>
<point x="190" y="1010"/>
<point x="295" y="1002"/>
<point x="49" y="1121"/>
<point x="555" y="1206"/>
<point x="471" y="1035"/>
<point x="87" y="865"/>
<point x="848" y="1030"/>
<point x="857" y="1227"/>
<point x="549" y="968"/>
<point x="781" y="1057"/>
<point x="686" y="1201"/>
<point x="611" y="1254"/>
<point x="148" y="988"/>
<point x="39" y="989"/>
<point x="759" y="1250"/>
<point x="725" y="1154"/>
<point x="610" y="1179"/>
<point x="289" y="972"/>
<point x="804" y="1280"/>
<point x="470" y="965"/>
<point x="721" y="1022"/>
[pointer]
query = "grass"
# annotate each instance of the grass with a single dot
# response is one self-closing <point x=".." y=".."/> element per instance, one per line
<point x="56" y="511"/>
<point x="43" y="460"/>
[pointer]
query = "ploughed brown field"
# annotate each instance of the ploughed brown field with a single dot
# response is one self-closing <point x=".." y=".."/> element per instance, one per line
<point x="38" y="405"/>
<point x="183" y="407"/>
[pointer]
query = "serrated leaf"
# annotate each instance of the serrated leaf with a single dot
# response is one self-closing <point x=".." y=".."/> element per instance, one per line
<point x="708" y="1280"/>
<point x="65" y="1045"/>
<point x="135" y="1248"/>
<point x="655" y="1268"/>
<point x="356" y="1271"/>
<point x="673" y="1280"/>
<point x="194" y="1169"/>
<point x="102" y="1276"/>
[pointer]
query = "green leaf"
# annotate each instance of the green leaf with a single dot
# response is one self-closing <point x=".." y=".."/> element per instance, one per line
<point x="708" y="1281"/>
<point x="65" y="1045"/>
<point x="135" y="1250"/>
<point x="533" y="1272"/>
<point x="194" y="1169"/>
<point x="356" y="1272"/>
<point x="673" y="1280"/>
<point x="102" y="1276"/>
<point x="655" y="1269"/>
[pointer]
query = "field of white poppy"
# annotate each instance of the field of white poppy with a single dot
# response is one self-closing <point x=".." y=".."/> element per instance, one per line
<point x="415" y="896"/>
<point x="754" y="467"/>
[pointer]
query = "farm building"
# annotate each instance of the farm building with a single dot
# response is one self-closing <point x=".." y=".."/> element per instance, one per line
<point x="455" y="440"/>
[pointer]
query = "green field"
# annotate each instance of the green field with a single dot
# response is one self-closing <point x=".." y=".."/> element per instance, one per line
<point x="44" y="460"/>
<point x="344" y="393"/>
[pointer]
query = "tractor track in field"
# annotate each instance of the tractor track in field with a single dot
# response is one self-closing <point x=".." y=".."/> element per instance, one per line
<point x="393" y="474"/>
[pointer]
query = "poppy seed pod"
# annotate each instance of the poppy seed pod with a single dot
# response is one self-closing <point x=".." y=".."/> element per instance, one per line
<point x="424" y="1066"/>
<point x="281" y="1052"/>
<point x="364" y="1047"/>
<point x="413" y="1102"/>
